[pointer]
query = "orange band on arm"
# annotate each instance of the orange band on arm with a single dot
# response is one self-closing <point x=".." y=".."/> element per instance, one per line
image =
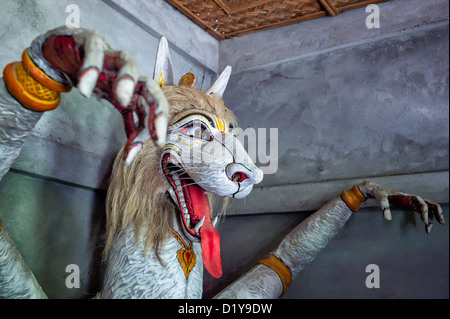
<point x="280" y="268"/>
<point x="32" y="69"/>
<point x="30" y="86"/>
<point x="27" y="90"/>
<point x="353" y="198"/>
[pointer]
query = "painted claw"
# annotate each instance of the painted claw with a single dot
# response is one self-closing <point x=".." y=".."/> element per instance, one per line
<point x="428" y="228"/>
<point x="132" y="152"/>
<point x="161" y="130"/>
<point x="125" y="90"/>
<point x="87" y="82"/>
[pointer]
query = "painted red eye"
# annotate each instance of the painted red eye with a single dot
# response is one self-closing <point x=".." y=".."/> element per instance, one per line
<point x="238" y="177"/>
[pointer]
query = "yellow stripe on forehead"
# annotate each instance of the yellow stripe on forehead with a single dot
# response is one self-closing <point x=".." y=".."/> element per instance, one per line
<point x="185" y="117"/>
<point x="210" y="119"/>
<point x="224" y="125"/>
<point x="220" y="124"/>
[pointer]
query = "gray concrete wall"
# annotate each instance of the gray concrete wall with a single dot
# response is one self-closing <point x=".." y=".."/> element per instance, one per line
<point x="350" y="103"/>
<point x="54" y="225"/>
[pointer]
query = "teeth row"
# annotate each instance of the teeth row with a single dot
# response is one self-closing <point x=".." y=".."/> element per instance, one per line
<point x="183" y="207"/>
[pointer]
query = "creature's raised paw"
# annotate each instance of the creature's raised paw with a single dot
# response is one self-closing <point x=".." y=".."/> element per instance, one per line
<point x="82" y="58"/>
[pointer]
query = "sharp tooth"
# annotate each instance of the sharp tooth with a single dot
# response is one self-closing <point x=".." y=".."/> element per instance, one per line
<point x="186" y="214"/>
<point x="179" y="189"/>
<point x="183" y="203"/>
<point x="214" y="222"/>
<point x="177" y="182"/>
<point x="199" y="224"/>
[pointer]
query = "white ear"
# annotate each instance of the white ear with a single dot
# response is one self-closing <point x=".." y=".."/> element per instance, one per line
<point x="219" y="86"/>
<point x="163" y="72"/>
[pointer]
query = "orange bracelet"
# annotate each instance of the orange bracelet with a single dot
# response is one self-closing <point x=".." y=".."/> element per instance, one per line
<point x="353" y="198"/>
<point x="280" y="268"/>
<point x="32" y="69"/>
<point x="31" y="87"/>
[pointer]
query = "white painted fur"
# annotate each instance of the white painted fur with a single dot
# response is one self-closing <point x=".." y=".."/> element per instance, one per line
<point x="132" y="275"/>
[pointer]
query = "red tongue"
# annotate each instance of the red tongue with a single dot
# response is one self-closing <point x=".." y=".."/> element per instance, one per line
<point x="210" y="236"/>
<point x="211" y="250"/>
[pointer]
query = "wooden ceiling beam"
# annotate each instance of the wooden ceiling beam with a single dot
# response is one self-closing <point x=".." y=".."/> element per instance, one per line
<point x="329" y="7"/>
<point x="223" y="6"/>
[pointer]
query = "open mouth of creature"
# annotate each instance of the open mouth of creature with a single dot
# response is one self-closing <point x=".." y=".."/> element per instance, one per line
<point x="195" y="212"/>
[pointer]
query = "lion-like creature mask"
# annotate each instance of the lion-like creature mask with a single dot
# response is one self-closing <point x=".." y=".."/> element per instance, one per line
<point x="203" y="155"/>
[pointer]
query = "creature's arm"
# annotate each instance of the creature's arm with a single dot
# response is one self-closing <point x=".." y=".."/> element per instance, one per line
<point x="63" y="58"/>
<point x="16" y="124"/>
<point x="272" y="276"/>
<point x="54" y="63"/>
<point x="16" y="279"/>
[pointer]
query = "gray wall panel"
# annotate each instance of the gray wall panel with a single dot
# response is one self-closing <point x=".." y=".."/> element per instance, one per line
<point x="54" y="225"/>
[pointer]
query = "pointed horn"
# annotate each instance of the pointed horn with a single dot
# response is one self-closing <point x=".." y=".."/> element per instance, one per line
<point x="163" y="73"/>
<point x="219" y="86"/>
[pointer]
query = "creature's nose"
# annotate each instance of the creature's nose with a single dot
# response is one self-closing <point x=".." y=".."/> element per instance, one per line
<point x="239" y="173"/>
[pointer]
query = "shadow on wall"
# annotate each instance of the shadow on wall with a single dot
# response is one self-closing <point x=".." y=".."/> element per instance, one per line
<point x="55" y="225"/>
